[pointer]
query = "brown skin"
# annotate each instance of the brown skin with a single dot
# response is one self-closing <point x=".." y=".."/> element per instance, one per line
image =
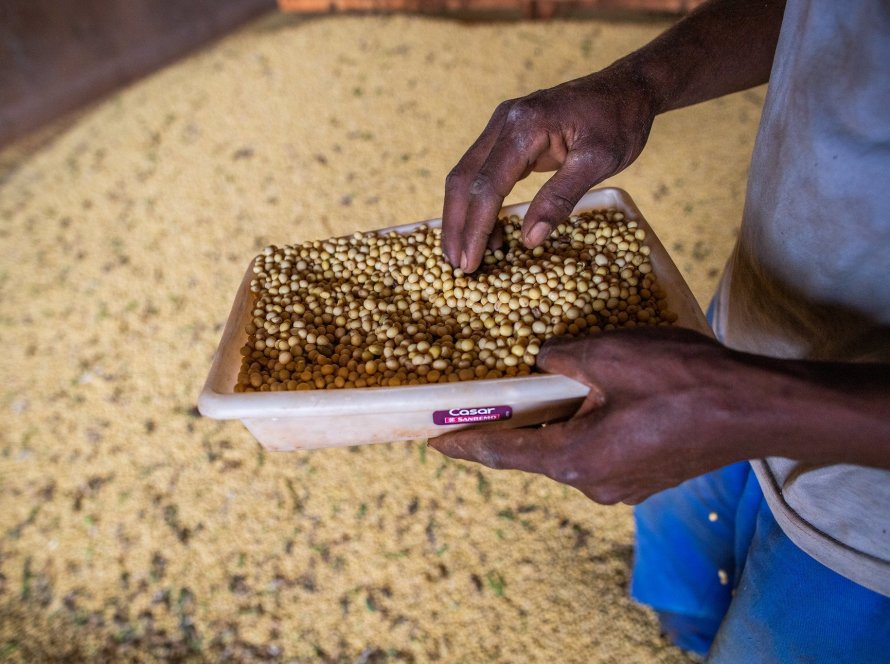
<point x="593" y="127"/>
<point x="582" y="128"/>
<point x="665" y="405"/>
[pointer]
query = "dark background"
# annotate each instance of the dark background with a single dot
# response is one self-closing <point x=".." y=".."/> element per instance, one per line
<point x="57" y="55"/>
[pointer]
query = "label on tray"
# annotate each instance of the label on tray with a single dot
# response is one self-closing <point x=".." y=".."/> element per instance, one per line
<point x="472" y="415"/>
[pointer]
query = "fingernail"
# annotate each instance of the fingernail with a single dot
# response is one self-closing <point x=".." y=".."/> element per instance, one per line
<point x="437" y="445"/>
<point x="537" y="234"/>
<point x="464" y="262"/>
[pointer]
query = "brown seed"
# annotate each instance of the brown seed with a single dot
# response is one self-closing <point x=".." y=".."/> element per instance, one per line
<point x="384" y="310"/>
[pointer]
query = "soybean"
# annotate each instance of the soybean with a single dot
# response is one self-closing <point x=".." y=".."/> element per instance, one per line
<point x="388" y="309"/>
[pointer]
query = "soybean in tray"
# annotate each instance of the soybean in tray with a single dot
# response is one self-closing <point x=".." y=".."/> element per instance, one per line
<point x="376" y="337"/>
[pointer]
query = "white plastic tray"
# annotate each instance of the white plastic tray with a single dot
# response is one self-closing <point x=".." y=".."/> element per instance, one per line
<point x="335" y="418"/>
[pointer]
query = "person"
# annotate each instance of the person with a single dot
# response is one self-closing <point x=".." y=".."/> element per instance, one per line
<point x="760" y="463"/>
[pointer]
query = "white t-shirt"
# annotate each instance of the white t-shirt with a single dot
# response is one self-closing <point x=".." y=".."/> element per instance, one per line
<point x="810" y="274"/>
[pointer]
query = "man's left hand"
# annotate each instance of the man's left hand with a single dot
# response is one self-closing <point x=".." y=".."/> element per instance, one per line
<point x="655" y="416"/>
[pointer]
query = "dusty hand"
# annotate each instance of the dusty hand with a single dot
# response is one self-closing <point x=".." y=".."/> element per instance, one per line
<point x="587" y="130"/>
<point x="653" y="418"/>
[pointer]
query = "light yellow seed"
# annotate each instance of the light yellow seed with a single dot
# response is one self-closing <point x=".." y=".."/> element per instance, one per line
<point x="372" y="310"/>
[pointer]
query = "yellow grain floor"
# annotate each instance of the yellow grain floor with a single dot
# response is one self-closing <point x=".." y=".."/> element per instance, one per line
<point x="132" y="529"/>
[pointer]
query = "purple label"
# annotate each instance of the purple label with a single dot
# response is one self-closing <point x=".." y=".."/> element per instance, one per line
<point x="472" y="415"/>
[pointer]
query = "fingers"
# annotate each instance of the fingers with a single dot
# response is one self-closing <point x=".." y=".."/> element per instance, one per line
<point x="565" y="357"/>
<point x="554" y="452"/>
<point x="530" y="450"/>
<point x="457" y="184"/>
<point x="506" y="152"/>
<point x="509" y="161"/>
<point x="473" y="202"/>
<point x="613" y="494"/>
<point x="496" y="240"/>
<point x="560" y="194"/>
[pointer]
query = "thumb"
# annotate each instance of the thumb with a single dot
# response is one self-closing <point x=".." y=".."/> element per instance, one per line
<point x="558" y="197"/>
<point x="568" y="358"/>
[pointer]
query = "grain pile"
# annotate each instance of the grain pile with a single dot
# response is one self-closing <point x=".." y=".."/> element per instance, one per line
<point x="131" y="528"/>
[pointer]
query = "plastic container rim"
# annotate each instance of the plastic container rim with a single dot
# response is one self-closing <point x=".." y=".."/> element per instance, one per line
<point x="219" y="404"/>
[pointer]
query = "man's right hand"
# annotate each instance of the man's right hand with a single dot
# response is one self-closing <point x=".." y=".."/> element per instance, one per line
<point x="586" y="130"/>
<point x="591" y="128"/>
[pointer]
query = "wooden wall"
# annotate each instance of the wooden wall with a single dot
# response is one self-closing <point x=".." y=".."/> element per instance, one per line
<point x="528" y="8"/>
<point x="56" y="55"/>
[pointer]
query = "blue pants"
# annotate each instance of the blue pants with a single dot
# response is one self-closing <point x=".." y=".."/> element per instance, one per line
<point x="725" y="579"/>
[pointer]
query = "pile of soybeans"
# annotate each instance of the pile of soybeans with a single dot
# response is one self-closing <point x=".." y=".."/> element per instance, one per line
<point x="388" y="309"/>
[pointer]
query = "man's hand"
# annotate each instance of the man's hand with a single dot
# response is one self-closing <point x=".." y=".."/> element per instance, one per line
<point x="587" y="130"/>
<point x="650" y="421"/>
<point x="593" y="127"/>
<point x="668" y="404"/>
<point x="652" y="418"/>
